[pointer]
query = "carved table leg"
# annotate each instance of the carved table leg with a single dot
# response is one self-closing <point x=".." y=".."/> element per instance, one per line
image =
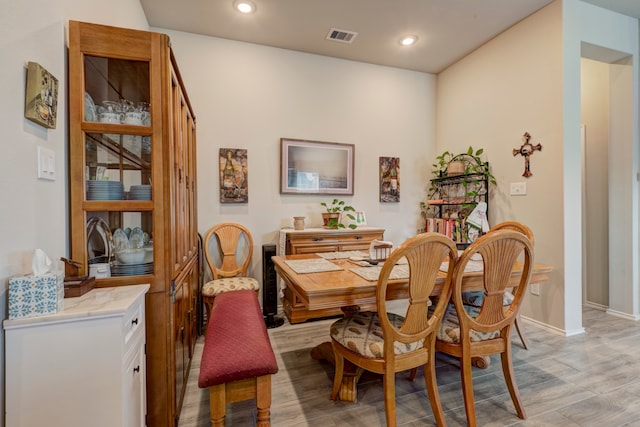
<point x="351" y="374"/>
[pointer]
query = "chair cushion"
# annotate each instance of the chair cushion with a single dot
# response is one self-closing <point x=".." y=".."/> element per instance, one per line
<point x="362" y="334"/>
<point x="449" y="330"/>
<point x="219" y="286"/>
<point x="477" y="297"/>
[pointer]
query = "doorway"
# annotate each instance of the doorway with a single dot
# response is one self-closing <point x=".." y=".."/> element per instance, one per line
<point x="606" y="114"/>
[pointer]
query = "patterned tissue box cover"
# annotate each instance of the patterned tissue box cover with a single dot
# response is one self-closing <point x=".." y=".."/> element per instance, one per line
<point x="31" y="296"/>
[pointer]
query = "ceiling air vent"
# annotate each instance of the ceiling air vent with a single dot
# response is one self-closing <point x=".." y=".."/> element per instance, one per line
<point x="342" y="36"/>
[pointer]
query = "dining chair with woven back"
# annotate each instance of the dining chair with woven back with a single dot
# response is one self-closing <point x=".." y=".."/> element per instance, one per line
<point x="524" y="229"/>
<point x="228" y="248"/>
<point x="469" y="331"/>
<point x="386" y="343"/>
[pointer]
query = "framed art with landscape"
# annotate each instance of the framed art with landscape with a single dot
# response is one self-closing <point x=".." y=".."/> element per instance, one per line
<point x="312" y="167"/>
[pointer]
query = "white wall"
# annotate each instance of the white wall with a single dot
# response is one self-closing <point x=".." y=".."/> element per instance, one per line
<point x="34" y="212"/>
<point x="584" y="23"/>
<point x="249" y="96"/>
<point x="489" y="99"/>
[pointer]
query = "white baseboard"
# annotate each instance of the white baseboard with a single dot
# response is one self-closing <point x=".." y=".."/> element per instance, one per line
<point x="553" y="329"/>
<point x="595" y="306"/>
<point x="622" y="315"/>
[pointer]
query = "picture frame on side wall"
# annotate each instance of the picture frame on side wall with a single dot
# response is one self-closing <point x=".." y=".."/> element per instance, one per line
<point x="41" y="96"/>
<point x="313" y="167"/>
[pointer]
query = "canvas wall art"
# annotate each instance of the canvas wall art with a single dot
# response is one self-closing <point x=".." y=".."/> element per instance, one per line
<point x="234" y="175"/>
<point x="389" y="179"/>
<point x="41" y="101"/>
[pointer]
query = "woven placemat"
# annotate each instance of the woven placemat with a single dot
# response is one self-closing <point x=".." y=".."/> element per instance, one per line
<point x="315" y="265"/>
<point x="342" y="255"/>
<point x="372" y="273"/>
<point x="471" y="267"/>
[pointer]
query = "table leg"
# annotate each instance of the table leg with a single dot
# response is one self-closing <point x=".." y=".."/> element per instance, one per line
<point x="350" y="377"/>
<point x="482" y="362"/>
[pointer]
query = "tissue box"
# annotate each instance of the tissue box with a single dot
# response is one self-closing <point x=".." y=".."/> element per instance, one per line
<point x="31" y="296"/>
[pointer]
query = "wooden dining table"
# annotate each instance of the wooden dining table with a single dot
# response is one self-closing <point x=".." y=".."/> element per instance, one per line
<point x="317" y="294"/>
<point x="323" y="294"/>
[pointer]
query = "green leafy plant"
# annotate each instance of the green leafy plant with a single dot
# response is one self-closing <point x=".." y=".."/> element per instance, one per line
<point x="333" y="212"/>
<point x="471" y="159"/>
<point x="474" y="169"/>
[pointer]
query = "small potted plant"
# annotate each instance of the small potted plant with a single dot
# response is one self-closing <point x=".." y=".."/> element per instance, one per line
<point x="331" y="217"/>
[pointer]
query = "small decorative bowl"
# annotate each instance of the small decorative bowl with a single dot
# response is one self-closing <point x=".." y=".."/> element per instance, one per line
<point x="131" y="256"/>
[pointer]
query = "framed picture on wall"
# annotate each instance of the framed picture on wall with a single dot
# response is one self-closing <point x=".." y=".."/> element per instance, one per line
<point x="234" y="175"/>
<point x="41" y="99"/>
<point x="389" y="179"/>
<point x="312" y="167"/>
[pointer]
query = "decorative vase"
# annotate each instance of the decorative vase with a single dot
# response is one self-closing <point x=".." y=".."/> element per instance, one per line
<point x="298" y="223"/>
<point x="329" y="216"/>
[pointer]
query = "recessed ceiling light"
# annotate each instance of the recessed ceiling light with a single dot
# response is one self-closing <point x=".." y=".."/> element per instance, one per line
<point x="408" y="40"/>
<point x="244" y="6"/>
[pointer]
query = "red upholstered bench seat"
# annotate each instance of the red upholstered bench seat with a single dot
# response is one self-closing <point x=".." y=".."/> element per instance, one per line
<point x="237" y="355"/>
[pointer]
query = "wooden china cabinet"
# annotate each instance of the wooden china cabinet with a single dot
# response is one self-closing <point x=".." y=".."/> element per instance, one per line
<point x="132" y="172"/>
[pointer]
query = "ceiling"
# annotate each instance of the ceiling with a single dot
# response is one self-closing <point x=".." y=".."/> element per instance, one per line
<point x="447" y="30"/>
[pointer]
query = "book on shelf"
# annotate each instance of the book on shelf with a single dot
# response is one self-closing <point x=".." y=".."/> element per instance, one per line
<point x="453" y="228"/>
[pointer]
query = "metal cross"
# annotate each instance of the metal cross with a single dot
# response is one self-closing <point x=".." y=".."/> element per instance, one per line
<point x="526" y="150"/>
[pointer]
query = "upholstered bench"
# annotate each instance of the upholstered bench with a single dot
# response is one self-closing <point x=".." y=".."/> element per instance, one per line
<point x="237" y="360"/>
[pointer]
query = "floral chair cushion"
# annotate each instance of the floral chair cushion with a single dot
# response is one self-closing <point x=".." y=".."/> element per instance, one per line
<point x="477" y="297"/>
<point x="449" y="330"/>
<point x="362" y="334"/>
<point x="218" y="286"/>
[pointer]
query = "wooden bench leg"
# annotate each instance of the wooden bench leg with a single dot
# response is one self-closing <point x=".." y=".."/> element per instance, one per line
<point x="263" y="400"/>
<point x="217" y="405"/>
<point x="259" y="387"/>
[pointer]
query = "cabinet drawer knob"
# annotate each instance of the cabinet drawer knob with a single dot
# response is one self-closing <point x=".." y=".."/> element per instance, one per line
<point x="317" y="239"/>
<point x="134" y="321"/>
<point x="357" y="237"/>
<point x="136" y="369"/>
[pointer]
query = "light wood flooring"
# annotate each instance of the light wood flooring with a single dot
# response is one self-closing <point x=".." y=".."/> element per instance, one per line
<point x="592" y="379"/>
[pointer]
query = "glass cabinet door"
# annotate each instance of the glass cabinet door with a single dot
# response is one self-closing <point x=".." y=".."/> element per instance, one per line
<point x="118" y="167"/>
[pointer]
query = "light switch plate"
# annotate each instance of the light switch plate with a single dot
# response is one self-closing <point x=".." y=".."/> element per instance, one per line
<point x="535" y="289"/>
<point x="46" y="164"/>
<point x="518" y="188"/>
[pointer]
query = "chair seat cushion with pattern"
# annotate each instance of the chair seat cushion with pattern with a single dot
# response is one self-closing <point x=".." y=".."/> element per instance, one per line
<point x="219" y="286"/>
<point x="449" y="330"/>
<point x="362" y="334"/>
<point x="476" y="298"/>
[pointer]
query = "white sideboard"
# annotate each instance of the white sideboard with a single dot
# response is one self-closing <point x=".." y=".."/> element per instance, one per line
<point x="83" y="366"/>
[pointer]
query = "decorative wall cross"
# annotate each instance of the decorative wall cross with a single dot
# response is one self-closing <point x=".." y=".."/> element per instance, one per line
<point x="526" y="150"/>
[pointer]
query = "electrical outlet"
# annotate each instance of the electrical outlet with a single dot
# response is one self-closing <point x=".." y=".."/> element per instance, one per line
<point x="518" y="188"/>
<point x="535" y="289"/>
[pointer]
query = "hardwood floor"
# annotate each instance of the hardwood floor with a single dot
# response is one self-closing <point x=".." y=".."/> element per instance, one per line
<point x="586" y="380"/>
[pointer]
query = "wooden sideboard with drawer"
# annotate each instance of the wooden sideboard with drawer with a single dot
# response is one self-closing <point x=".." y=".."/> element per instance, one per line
<point x="314" y="240"/>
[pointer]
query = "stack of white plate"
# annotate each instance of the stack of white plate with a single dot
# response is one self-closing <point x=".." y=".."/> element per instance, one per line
<point x="140" y="192"/>
<point x="118" y="269"/>
<point x="105" y="190"/>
